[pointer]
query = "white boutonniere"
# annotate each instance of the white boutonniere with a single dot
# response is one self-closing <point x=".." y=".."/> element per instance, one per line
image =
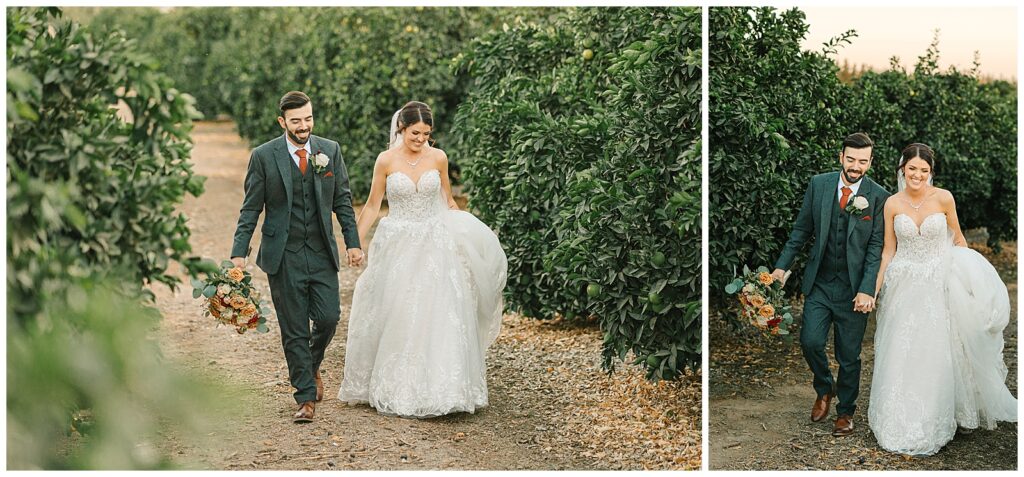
<point x="320" y="161"/>
<point x="857" y="205"/>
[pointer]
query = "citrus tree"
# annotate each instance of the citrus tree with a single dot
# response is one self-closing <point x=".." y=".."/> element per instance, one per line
<point x="90" y="219"/>
<point x="581" y="136"/>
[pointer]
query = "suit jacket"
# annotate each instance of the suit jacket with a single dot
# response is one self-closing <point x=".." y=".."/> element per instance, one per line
<point x="865" y="232"/>
<point x="268" y="186"/>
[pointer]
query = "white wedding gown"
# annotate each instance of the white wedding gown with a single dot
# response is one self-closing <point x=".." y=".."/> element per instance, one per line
<point x="938" y="343"/>
<point x="426" y="308"/>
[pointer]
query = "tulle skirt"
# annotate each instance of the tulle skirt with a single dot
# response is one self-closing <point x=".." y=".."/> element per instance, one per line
<point x="424" y="312"/>
<point x="939" y="355"/>
<point x="981" y="306"/>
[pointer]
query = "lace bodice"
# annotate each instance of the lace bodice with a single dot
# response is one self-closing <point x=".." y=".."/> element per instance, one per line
<point x="413" y="201"/>
<point x="919" y="249"/>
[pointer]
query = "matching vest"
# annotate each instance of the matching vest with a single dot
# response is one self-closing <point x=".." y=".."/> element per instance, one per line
<point x="304" y="227"/>
<point x="834" y="273"/>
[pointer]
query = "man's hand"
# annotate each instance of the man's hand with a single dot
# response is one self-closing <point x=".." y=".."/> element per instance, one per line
<point x="780" y="276"/>
<point x="355" y="257"/>
<point x="863" y="303"/>
<point x="238" y="261"/>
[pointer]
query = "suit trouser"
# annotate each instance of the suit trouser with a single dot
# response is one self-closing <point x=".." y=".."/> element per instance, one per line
<point x="305" y="290"/>
<point x="822" y="311"/>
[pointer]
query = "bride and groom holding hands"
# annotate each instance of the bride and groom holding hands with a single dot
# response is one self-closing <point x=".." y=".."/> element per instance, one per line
<point x="430" y="300"/>
<point x="940" y="307"/>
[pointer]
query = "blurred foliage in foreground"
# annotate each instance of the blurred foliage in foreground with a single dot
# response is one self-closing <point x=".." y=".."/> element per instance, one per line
<point x="90" y="202"/>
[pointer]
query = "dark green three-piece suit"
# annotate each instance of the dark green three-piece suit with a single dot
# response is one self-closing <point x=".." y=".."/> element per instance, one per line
<point x="298" y="251"/>
<point x="844" y="261"/>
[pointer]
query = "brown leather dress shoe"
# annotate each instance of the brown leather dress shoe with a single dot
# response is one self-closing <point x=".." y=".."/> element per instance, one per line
<point x="844" y="426"/>
<point x="820" y="409"/>
<point x="319" y="385"/>
<point x="305" y="413"/>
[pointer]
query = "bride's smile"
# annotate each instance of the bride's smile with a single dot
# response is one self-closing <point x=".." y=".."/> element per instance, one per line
<point x="416" y="136"/>
<point x="917" y="172"/>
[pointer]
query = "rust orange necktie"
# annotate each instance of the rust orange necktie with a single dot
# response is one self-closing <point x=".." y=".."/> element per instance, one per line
<point x="302" y="161"/>
<point x="842" y="200"/>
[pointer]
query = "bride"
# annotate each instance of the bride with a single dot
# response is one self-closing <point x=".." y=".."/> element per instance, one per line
<point x="941" y="315"/>
<point x="430" y="300"/>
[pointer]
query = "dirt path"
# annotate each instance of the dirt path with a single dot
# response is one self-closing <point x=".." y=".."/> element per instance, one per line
<point x="545" y="382"/>
<point x="759" y="402"/>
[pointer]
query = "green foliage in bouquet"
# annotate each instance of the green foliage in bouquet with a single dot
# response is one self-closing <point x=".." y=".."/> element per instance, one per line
<point x="90" y="219"/>
<point x="762" y="303"/>
<point x="581" y="143"/>
<point x="229" y="296"/>
<point x="778" y="116"/>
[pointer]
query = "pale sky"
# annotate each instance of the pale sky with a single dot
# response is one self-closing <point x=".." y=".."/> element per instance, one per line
<point x="907" y="31"/>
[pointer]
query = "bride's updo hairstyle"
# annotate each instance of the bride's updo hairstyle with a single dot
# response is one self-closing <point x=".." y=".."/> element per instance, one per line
<point x="414" y="112"/>
<point x="920" y="151"/>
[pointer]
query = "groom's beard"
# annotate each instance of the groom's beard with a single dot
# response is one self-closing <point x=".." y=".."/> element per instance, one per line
<point x="850" y="180"/>
<point x="296" y="139"/>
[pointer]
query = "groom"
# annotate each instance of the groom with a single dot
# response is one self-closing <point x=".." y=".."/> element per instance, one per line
<point x="843" y="212"/>
<point x="299" y="179"/>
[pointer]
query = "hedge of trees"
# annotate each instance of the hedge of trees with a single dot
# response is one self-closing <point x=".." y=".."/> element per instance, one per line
<point x="778" y="115"/>
<point x="581" y="143"/>
<point x="358" y="65"/>
<point x="90" y="219"/>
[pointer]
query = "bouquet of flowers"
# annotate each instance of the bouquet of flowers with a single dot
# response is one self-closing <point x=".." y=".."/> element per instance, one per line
<point x="228" y="296"/>
<point x="762" y="303"/>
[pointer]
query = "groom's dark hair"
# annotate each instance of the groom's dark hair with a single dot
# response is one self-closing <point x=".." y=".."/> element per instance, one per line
<point x="293" y="100"/>
<point x="857" y="141"/>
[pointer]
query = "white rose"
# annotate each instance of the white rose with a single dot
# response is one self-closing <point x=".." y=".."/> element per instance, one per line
<point x="860" y="202"/>
<point x="320" y="160"/>
<point x="748" y="288"/>
<point x="223" y="289"/>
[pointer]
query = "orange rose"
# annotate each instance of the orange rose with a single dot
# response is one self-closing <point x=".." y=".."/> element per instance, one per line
<point x="757" y="300"/>
<point x="767" y="311"/>
<point x="236" y="274"/>
<point x="743" y="300"/>
<point x="765" y="278"/>
<point x="238" y="302"/>
<point x="248" y="311"/>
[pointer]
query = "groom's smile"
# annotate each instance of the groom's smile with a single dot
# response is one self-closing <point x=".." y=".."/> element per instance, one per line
<point x="298" y="123"/>
<point x="856" y="163"/>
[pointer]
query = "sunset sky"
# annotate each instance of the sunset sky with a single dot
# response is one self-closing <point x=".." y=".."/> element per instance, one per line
<point x="906" y="32"/>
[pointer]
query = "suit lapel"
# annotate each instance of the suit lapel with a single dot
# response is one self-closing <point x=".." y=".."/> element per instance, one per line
<point x="829" y="202"/>
<point x="865" y="188"/>
<point x="283" y="160"/>
<point x="314" y="146"/>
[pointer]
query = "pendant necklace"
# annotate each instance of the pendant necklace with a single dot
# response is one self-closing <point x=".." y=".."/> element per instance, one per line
<point x="413" y="164"/>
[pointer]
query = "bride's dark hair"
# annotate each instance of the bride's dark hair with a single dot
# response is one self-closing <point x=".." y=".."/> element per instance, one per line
<point x="414" y="112"/>
<point x="920" y="151"/>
